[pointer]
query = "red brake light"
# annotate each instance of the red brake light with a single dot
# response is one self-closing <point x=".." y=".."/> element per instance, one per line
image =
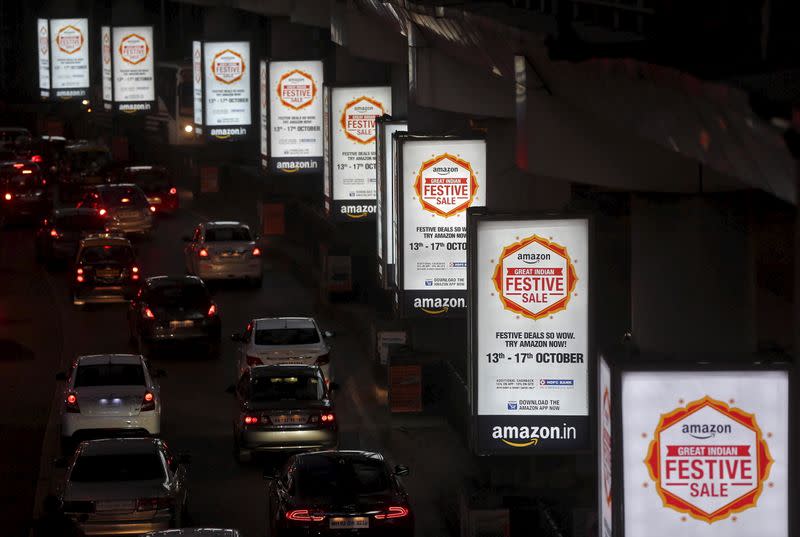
<point x="173" y="190"/>
<point x="102" y="212"/>
<point x="134" y="273"/>
<point x="327" y="418"/>
<point x="71" y="403"/>
<point x="212" y="310"/>
<point x="256" y="252"/>
<point x="251" y="420"/>
<point x="19" y="165"/>
<point x="302" y="515"/>
<point x="152" y="208"/>
<point x="8" y="196"/>
<point x="254" y="360"/>
<point x="36" y="158"/>
<point x="54" y="233"/>
<point x="202" y="252"/>
<point x="393" y="512"/>
<point x="148" y="401"/>
<point x="147" y="312"/>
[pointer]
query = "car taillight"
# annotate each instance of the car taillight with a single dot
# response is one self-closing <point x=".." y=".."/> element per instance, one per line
<point x="152" y="208"/>
<point x="134" y="273"/>
<point x="327" y="418"/>
<point x="148" y="313"/>
<point x="54" y="233"/>
<point x="7" y="196"/>
<point x="324" y="358"/>
<point x="36" y="158"/>
<point x="255" y="420"/>
<point x="153" y="504"/>
<point x="79" y="275"/>
<point x="202" y="252"/>
<point x="102" y="212"/>
<point x="173" y="191"/>
<point x="393" y="512"/>
<point x="254" y="360"/>
<point x="71" y="403"/>
<point x="303" y="515"/>
<point x="148" y="401"/>
<point x="212" y="310"/>
<point x="256" y="252"/>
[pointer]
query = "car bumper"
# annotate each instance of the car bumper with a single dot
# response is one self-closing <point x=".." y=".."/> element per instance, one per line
<point x="321" y="530"/>
<point x="135" y="227"/>
<point x="163" y="333"/>
<point x="123" y="527"/>
<point x="75" y="424"/>
<point x="288" y="440"/>
<point x="103" y="295"/>
<point x="229" y="270"/>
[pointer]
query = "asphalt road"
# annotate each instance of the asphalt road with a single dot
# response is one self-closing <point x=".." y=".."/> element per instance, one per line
<point x="40" y="331"/>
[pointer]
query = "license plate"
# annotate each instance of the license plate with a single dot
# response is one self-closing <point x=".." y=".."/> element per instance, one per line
<point x="285" y="420"/>
<point x="349" y="523"/>
<point x="115" y="505"/>
<point x="107" y="273"/>
<point x="154" y="200"/>
<point x="180" y="324"/>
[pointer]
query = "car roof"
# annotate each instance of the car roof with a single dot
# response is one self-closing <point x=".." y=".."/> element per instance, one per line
<point x="164" y="281"/>
<point x="195" y="532"/>
<point x="74" y="211"/>
<point x="284" y="322"/>
<point x="267" y="370"/>
<point x="102" y="239"/>
<point x="224" y="223"/>
<point x="103" y="359"/>
<point x="340" y="454"/>
<point x="117" y="185"/>
<point x="119" y="446"/>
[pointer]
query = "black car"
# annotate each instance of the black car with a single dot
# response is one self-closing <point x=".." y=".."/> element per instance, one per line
<point x="58" y="237"/>
<point x="336" y="493"/>
<point x="157" y="185"/>
<point x="105" y="270"/>
<point x="23" y="192"/>
<point x="175" y="308"/>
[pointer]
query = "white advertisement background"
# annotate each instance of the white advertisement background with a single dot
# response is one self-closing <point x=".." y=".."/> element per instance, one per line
<point x="388" y="170"/>
<point x="105" y="58"/>
<point x="227" y="104"/>
<point x="604" y="477"/>
<point x="647" y="395"/>
<point x="415" y="153"/>
<point x="262" y="106"/>
<point x="133" y="82"/>
<point x="197" y="81"/>
<point x="285" y="138"/>
<point x="492" y="317"/>
<point x="69" y="70"/>
<point x="326" y="144"/>
<point x="351" y="181"/>
<point x="43" y="42"/>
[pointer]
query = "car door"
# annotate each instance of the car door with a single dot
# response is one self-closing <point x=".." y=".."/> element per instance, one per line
<point x="244" y="345"/>
<point x="191" y="250"/>
<point x="177" y="475"/>
<point x="242" y="396"/>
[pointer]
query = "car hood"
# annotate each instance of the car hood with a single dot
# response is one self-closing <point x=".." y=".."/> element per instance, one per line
<point x="115" y="490"/>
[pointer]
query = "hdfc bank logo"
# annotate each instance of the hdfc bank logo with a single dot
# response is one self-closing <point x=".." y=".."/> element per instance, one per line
<point x="196" y="67"/>
<point x="69" y="39"/>
<point x="296" y="89"/>
<point x="106" y="48"/>
<point x="228" y="66"/>
<point x="43" y="40"/>
<point x="134" y="49"/>
<point x="358" y="119"/>
<point x="708" y="460"/>
<point x="445" y="185"/>
<point x="535" y="277"/>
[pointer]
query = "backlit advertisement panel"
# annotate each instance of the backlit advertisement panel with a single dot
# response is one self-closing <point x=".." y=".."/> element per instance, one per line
<point x="530" y="340"/>
<point x="352" y="118"/>
<point x="327" y="175"/>
<point x="705" y="453"/>
<point x="69" y="58"/>
<point x="226" y="83"/>
<point x="43" y="52"/>
<point x="439" y="179"/>
<point x="605" y="497"/>
<point x="106" y="68"/>
<point x="197" y="85"/>
<point x="133" y="68"/>
<point x="385" y="199"/>
<point x="295" y="116"/>
<point x="263" y="115"/>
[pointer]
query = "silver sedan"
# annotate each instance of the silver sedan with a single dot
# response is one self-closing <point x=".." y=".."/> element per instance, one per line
<point x="224" y="250"/>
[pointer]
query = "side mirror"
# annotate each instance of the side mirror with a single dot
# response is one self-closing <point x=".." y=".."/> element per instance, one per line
<point x="401" y="470"/>
<point x="61" y="462"/>
<point x="231" y="389"/>
<point x="328" y="334"/>
<point x="184" y="458"/>
<point x="61" y="375"/>
<point x="159" y="373"/>
<point x="333" y="386"/>
<point x="236" y="336"/>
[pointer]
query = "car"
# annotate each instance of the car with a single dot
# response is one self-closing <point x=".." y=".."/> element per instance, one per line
<point x="195" y="532"/>
<point x="125" y="486"/>
<point x="156" y="183"/>
<point x="45" y="151"/>
<point x="11" y="137"/>
<point x="336" y="493"/>
<point x="174" y="308"/>
<point x="24" y="192"/>
<point x="84" y="163"/>
<point x="108" y="395"/>
<point x="279" y="340"/>
<point x="59" y="235"/>
<point x="224" y="250"/>
<point x="124" y="205"/>
<point x="283" y="408"/>
<point x="105" y="270"/>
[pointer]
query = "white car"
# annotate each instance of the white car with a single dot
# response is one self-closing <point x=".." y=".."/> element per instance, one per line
<point x="283" y="340"/>
<point x="108" y="394"/>
<point x="125" y="486"/>
<point x="224" y="251"/>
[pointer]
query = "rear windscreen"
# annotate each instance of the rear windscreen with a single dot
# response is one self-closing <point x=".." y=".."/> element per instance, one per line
<point x="107" y="254"/>
<point x="278" y="388"/>
<point x="120" y="467"/>
<point x="222" y="234"/>
<point x="109" y="375"/>
<point x="122" y="197"/>
<point x="179" y="295"/>
<point x="286" y="336"/>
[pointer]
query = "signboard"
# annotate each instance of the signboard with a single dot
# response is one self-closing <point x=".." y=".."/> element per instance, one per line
<point x="295" y="117"/>
<point x="705" y="453"/>
<point x="439" y="178"/>
<point x="263" y="116"/>
<point x="327" y="173"/>
<point x="605" y="498"/>
<point x="69" y="58"/>
<point x="352" y="166"/>
<point x="106" y="68"/>
<point x="197" y="85"/>
<point x="226" y="84"/>
<point x="385" y="214"/>
<point x="133" y="68"/>
<point x="43" y="51"/>
<point x="530" y="341"/>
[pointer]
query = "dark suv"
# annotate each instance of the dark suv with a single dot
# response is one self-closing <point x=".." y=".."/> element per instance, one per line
<point x="23" y="192"/>
<point x="157" y="185"/>
<point x="60" y="234"/>
<point x="105" y="270"/>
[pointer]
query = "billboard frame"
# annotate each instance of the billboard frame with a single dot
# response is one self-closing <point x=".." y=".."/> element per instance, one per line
<point x="113" y="105"/>
<point x="382" y="267"/>
<point x="205" y="128"/>
<point x="85" y="92"/>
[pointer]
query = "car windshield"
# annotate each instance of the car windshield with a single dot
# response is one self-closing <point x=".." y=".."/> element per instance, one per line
<point x="109" y="375"/>
<point x="80" y="222"/>
<point x="192" y="295"/>
<point x="286" y="336"/>
<point x="327" y="476"/>
<point x="124" y="197"/>
<point x="106" y="254"/>
<point x="220" y="234"/>
<point x="121" y="467"/>
<point x="17" y="182"/>
<point x="277" y="388"/>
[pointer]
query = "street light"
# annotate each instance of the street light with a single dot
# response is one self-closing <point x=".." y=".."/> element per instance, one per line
<point x="188" y="128"/>
<point x="85" y="102"/>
